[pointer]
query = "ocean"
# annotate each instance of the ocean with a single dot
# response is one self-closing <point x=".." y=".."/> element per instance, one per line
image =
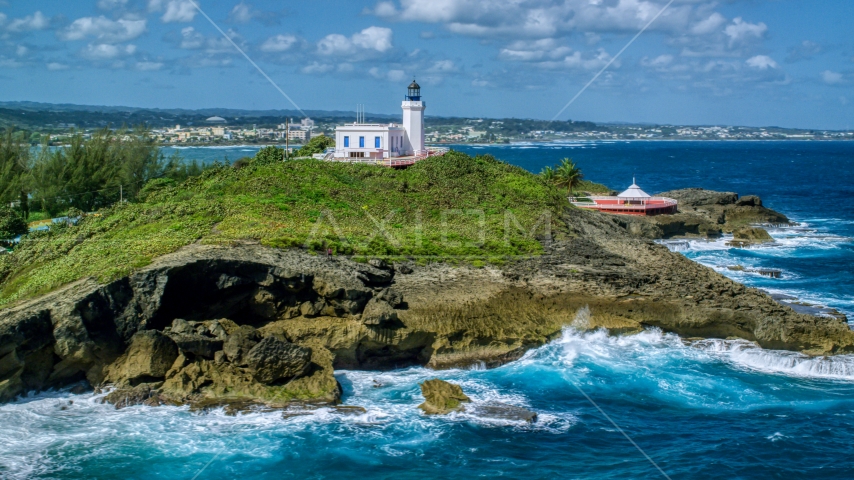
<point x="650" y="405"/>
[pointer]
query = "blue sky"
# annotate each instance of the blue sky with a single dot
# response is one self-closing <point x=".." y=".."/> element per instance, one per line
<point x="735" y="62"/>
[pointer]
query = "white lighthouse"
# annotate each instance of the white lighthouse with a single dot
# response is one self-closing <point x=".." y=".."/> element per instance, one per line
<point x="413" y="119"/>
<point x="383" y="141"/>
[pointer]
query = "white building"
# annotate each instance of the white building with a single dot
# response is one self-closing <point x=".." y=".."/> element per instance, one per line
<point x="298" y="134"/>
<point x="366" y="140"/>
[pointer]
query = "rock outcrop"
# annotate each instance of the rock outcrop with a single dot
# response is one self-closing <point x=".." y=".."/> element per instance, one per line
<point x="441" y="397"/>
<point x="251" y="325"/>
<point x="750" y="235"/>
<point x="147" y="335"/>
<point x="704" y="213"/>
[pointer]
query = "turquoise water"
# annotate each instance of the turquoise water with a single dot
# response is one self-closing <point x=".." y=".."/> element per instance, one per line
<point x="708" y="409"/>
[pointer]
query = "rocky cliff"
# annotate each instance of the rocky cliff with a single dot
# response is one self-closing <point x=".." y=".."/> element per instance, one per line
<point x="209" y="325"/>
<point x="705" y="213"/>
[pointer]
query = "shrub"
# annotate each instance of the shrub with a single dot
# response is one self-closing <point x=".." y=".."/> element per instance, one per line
<point x="318" y="144"/>
<point x="11" y="224"/>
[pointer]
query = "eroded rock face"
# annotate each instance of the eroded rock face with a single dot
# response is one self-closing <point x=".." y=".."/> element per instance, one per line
<point x="158" y="370"/>
<point x="704" y="213"/>
<point x="274" y="359"/>
<point x="344" y="314"/>
<point x="148" y="358"/>
<point x="502" y="411"/>
<point x="152" y="329"/>
<point x="441" y="397"/>
<point x="239" y="343"/>
<point x="752" y="235"/>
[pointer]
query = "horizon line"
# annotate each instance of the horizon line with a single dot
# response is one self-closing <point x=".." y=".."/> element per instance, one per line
<point x="353" y="112"/>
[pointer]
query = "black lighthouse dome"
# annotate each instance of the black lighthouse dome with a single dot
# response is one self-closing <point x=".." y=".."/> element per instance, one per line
<point x="413" y="92"/>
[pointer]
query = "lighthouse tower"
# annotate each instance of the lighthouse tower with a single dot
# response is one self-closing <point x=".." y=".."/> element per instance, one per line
<point x="413" y="120"/>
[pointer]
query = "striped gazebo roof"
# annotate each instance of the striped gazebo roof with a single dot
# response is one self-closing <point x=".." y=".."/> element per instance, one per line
<point x="634" y="192"/>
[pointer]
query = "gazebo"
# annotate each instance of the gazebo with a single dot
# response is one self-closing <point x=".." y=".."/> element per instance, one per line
<point x="634" y="194"/>
<point x="633" y="201"/>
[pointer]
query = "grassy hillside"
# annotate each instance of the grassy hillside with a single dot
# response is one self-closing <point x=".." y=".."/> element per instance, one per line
<point x="433" y="210"/>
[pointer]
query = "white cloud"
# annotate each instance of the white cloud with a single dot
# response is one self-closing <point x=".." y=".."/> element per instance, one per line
<point x="372" y="38"/>
<point x="111" y="4"/>
<point x="103" y="29"/>
<point x="316" y="68"/>
<point x="335" y="44"/>
<point x="550" y="54"/>
<point x="442" y="66"/>
<point x="36" y="21"/>
<point x="805" y="51"/>
<point x="279" y="43"/>
<point x="832" y="78"/>
<point x="191" y="39"/>
<point x="534" y="50"/>
<point x="577" y="61"/>
<point x="10" y="63"/>
<point x="241" y="13"/>
<point x="660" y="61"/>
<point x="708" y="25"/>
<point x="740" y="31"/>
<point x="219" y="44"/>
<point x="762" y="62"/>
<point x="57" y="66"/>
<point x="540" y="18"/>
<point x="175" y="10"/>
<point x="21" y="50"/>
<point x="105" y="51"/>
<point x="390" y="75"/>
<point x="376" y="38"/>
<point x="148" y="66"/>
<point x="385" y="9"/>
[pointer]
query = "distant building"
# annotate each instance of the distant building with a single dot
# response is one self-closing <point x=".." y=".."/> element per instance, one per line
<point x="216" y="120"/>
<point x="298" y="134"/>
<point x="366" y="140"/>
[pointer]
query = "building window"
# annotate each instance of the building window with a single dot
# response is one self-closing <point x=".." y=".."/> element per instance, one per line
<point x="346" y="142"/>
<point x="361" y="142"/>
<point x="376" y="142"/>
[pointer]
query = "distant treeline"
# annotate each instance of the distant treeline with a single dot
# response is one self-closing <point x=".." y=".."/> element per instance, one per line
<point x="87" y="174"/>
<point x="514" y="127"/>
<point x="62" y="120"/>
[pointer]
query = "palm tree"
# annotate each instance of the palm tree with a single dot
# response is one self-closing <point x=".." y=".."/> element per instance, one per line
<point x="548" y="174"/>
<point x="567" y="174"/>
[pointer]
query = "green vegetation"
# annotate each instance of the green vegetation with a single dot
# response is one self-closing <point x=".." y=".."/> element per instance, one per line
<point x="568" y="175"/>
<point x="11" y="224"/>
<point x="452" y="208"/>
<point x="266" y="155"/>
<point x="593" y="188"/>
<point x="89" y="174"/>
<point x="318" y="144"/>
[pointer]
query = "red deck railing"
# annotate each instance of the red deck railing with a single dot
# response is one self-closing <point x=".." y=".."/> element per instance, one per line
<point x="648" y="206"/>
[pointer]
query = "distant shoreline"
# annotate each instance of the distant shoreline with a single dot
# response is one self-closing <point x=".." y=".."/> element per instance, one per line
<point x="180" y="146"/>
